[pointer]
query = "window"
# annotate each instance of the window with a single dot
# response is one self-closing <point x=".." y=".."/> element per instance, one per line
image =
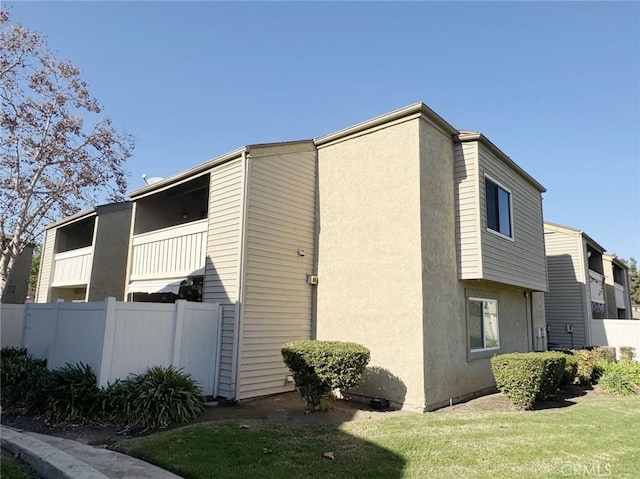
<point x="498" y="200"/>
<point x="482" y="325"/>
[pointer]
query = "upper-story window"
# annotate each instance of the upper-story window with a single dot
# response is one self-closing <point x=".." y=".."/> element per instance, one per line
<point x="498" y="200"/>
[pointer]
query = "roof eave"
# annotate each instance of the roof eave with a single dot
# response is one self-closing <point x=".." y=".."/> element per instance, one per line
<point x="196" y="170"/>
<point x="464" y="136"/>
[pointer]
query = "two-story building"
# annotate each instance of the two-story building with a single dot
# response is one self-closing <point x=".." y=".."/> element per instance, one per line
<point x="419" y="241"/>
<point x="585" y="283"/>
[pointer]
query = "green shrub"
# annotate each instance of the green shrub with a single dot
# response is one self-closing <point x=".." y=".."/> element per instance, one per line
<point x="33" y="391"/>
<point x="570" y="370"/>
<point x="15" y="368"/>
<point x="554" y="370"/>
<point x="631" y="369"/>
<point x="12" y="352"/>
<point x="72" y="395"/>
<point x="592" y="362"/>
<point x="157" y="398"/>
<point x="525" y="377"/>
<point x="21" y="379"/>
<point x="626" y="353"/>
<point x="605" y="353"/>
<point x="318" y="367"/>
<point x="617" y="382"/>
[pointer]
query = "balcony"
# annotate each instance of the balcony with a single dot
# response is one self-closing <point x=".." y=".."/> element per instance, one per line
<point x="177" y="251"/>
<point x="73" y="267"/>
<point x="596" y="287"/>
<point x="620" y="302"/>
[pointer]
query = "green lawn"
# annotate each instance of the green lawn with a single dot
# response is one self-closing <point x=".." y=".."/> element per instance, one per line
<point x="597" y="437"/>
<point x="11" y="468"/>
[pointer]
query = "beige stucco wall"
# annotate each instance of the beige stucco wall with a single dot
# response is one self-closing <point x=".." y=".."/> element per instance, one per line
<point x="388" y="275"/>
<point x="444" y="332"/>
<point x="450" y="372"/>
<point x="369" y="250"/>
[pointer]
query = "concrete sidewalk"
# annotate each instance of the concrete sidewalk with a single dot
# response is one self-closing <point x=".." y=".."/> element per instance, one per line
<point x="57" y="458"/>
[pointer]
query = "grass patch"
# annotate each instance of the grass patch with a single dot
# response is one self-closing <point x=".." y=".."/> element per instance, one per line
<point x="595" y="435"/>
<point x="12" y="468"/>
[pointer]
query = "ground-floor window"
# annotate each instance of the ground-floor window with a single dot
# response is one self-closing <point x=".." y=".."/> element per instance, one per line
<point x="482" y="324"/>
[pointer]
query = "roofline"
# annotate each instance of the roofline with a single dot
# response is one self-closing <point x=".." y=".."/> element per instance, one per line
<point x="188" y="173"/>
<point x="75" y="217"/>
<point x="416" y="108"/>
<point x="89" y="212"/>
<point x="464" y="136"/>
<point x="203" y="167"/>
<point x="578" y="232"/>
<point x="616" y="260"/>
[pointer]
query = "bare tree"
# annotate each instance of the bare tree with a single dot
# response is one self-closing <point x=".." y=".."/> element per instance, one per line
<point x="51" y="163"/>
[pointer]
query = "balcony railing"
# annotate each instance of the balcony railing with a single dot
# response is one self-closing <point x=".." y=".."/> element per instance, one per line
<point x="170" y="252"/>
<point x="620" y="302"/>
<point x="596" y="287"/>
<point x="72" y="268"/>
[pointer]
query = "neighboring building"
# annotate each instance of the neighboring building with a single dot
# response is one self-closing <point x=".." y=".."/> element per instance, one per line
<point x="584" y="283"/>
<point x="84" y="256"/>
<point x="419" y="241"/>
<point x="17" y="288"/>
<point x="617" y="290"/>
<point x="430" y="253"/>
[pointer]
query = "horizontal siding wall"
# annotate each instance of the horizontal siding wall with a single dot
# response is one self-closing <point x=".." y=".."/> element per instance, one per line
<point x="46" y="266"/>
<point x="520" y="262"/>
<point x="226" y="384"/>
<point x="467" y="212"/>
<point x="222" y="269"/>
<point x="565" y="300"/>
<point x="277" y="299"/>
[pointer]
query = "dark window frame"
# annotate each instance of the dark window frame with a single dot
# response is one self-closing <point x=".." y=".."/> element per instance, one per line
<point x="498" y="208"/>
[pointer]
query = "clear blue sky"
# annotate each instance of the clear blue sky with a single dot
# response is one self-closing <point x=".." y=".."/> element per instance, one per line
<point x="556" y="86"/>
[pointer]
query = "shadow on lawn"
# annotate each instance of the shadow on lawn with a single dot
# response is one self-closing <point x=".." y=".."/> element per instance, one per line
<point x="562" y="399"/>
<point x="272" y="437"/>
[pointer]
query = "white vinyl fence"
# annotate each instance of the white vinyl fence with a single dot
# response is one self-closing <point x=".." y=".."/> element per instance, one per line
<point x="617" y="333"/>
<point x="11" y="324"/>
<point x="121" y="338"/>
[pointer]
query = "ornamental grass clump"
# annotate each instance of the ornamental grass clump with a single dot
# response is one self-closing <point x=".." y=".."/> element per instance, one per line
<point x="621" y="378"/>
<point x="319" y="367"/>
<point x="527" y="377"/>
<point x="72" y="395"/>
<point x="157" y="398"/>
<point x="22" y="379"/>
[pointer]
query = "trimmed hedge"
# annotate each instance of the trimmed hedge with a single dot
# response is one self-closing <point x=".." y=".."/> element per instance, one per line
<point x="318" y="367"/>
<point x="527" y="377"/>
<point x="554" y="371"/>
<point x="570" y="370"/>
